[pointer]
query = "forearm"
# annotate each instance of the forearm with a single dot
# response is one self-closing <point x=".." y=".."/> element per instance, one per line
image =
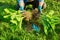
<point x="41" y="2"/>
<point x="21" y="2"/>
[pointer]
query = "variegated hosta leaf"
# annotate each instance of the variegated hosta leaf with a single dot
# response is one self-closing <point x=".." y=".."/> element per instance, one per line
<point x="20" y="23"/>
<point x="18" y="17"/>
<point x="18" y="11"/>
<point x="7" y="11"/>
<point x="6" y="16"/>
<point x="13" y="15"/>
<point x="13" y="21"/>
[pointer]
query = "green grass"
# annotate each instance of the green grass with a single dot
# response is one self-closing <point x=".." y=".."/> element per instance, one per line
<point x="8" y="32"/>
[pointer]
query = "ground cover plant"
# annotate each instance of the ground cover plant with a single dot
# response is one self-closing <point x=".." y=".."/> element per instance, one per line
<point x="12" y="24"/>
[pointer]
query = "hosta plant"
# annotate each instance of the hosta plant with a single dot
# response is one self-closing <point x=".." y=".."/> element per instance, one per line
<point x="49" y="21"/>
<point x="15" y="17"/>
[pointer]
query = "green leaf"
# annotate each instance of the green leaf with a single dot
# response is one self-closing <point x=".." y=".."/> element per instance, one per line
<point x="6" y="16"/>
<point x="30" y="6"/>
<point x="53" y="26"/>
<point x="51" y="12"/>
<point x="20" y="24"/>
<point x="13" y="15"/>
<point x="18" y="11"/>
<point x="45" y="30"/>
<point x="13" y="21"/>
<point x="18" y="18"/>
<point x="7" y="11"/>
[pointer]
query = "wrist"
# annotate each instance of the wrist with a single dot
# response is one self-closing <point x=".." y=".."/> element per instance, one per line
<point x="41" y="0"/>
<point x="40" y="8"/>
<point x="21" y="8"/>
